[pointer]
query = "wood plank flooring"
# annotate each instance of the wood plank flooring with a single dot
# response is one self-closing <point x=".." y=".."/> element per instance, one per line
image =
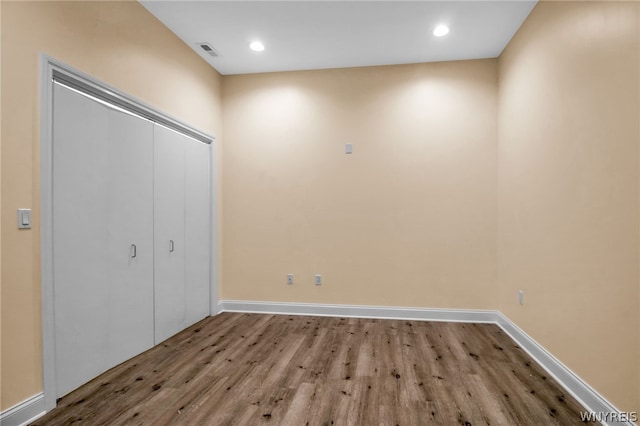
<point x="252" y="369"/>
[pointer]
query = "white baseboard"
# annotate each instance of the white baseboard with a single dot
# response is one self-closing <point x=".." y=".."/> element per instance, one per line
<point x="591" y="400"/>
<point x="359" y="311"/>
<point x="25" y="412"/>
<point x="573" y="384"/>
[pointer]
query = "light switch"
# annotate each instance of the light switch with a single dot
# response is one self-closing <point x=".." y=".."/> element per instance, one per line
<point x="24" y="218"/>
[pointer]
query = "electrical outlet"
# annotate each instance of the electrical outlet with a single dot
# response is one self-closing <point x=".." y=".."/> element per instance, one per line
<point x="289" y="279"/>
<point x="318" y="279"/>
<point x="521" y="297"/>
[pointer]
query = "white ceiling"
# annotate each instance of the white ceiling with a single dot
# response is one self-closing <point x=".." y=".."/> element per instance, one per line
<point x="300" y="35"/>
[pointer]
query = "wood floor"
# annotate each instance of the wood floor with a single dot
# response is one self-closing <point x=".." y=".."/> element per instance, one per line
<point x="251" y="369"/>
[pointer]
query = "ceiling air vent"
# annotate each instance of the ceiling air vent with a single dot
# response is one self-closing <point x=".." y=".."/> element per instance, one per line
<point x="207" y="48"/>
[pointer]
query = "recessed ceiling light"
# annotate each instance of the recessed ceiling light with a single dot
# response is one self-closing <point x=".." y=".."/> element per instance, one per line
<point x="257" y="46"/>
<point x="441" y="30"/>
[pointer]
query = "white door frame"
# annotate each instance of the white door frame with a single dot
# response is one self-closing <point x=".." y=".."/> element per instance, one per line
<point x="50" y="68"/>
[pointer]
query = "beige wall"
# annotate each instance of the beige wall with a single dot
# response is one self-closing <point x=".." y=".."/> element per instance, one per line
<point x="568" y="189"/>
<point x="119" y="43"/>
<point x="408" y="219"/>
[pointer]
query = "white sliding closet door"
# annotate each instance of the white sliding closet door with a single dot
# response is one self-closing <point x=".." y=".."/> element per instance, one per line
<point x="197" y="228"/>
<point x="169" y="180"/>
<point x="182" y="231"/>
<point x="131" y="223"/>
<point x="103" y="205"/>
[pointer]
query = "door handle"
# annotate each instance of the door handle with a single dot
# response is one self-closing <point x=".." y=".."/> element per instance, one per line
<point x="133" y="251"/>
<point x="171" y="246"/>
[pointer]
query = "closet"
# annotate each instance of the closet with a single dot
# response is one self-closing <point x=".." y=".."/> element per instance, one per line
<point x="131" y="234"/>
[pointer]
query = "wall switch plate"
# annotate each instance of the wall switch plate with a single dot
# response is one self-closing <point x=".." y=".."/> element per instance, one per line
<point x="24" y="218"/>
<point x="521" y="297"/>
<point x="348" y="148"/>
<point x="318" y="279"/>
<point x="289" y="279"/>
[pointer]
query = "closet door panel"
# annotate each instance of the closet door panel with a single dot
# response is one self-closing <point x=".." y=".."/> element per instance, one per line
<point x="169" y="233"/>
<point x="197" y="229"/>
<point x="81" y="238"/>
<point x="130" y="210"/>
<point x="103" y="204"/>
